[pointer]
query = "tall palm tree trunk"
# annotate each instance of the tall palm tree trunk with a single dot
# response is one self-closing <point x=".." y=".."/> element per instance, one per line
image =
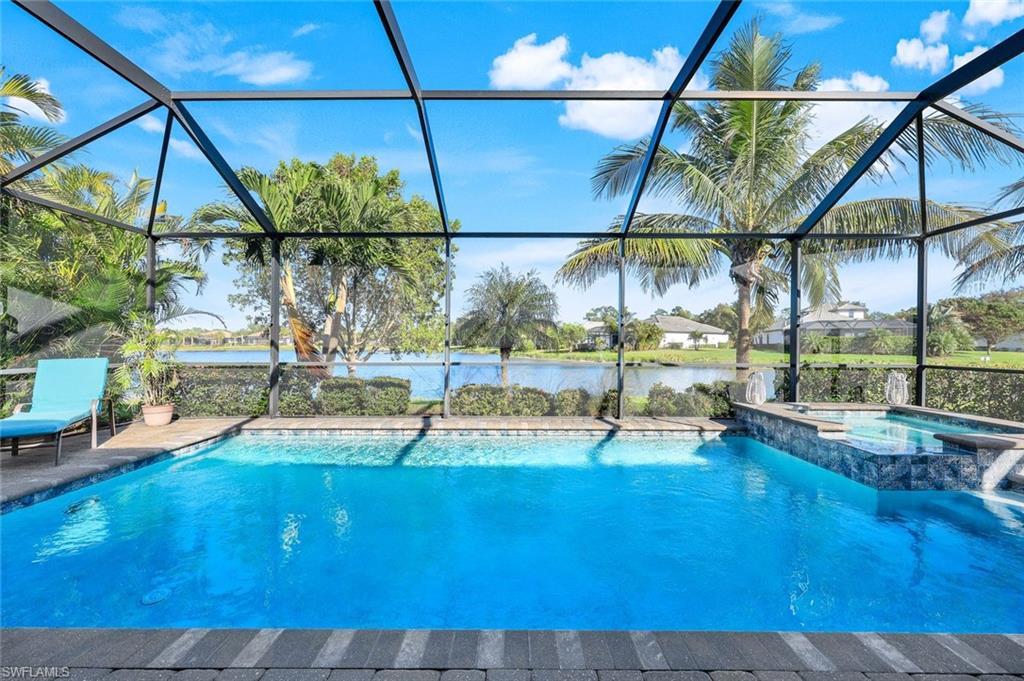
<point x="743" y="335"/>
<point x="506" y="354"/>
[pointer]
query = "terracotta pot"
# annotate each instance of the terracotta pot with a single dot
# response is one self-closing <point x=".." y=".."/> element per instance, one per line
<point x="158" y="415"/>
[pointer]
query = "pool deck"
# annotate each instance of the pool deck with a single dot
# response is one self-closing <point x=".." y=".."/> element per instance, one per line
<point x="31" y="476"/>
<point x="496" y="655"/>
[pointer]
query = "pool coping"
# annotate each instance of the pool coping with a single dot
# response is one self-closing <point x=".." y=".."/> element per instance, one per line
<point x="543" y="655"/>
<point x="138" y="446"/>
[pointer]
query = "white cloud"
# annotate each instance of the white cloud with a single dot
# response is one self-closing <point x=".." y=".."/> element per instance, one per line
<point x="270" y="68"/>
<point x="185" y="149"/>
<point x="531" y="65"/>
<point x="993" y="12"/>
<point x="150" y="123"/>
<point x="528" y="65"/>
<point x="796" y="22"/>
<point x="989" y="81"/>
<point x="31" y="110"/>
<point x="305" y="29"/>
<point x="181" y="46"/>
<point x="618" y="71"/>
<point x="142" y="18"/>
<point x="414" y="132"/>
<point x="913" y="53"/>
<point x="935" y="26"/>
<point x="833" y="118"/>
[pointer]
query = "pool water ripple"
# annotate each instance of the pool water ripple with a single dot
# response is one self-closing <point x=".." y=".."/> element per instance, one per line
<point x="525" y="532"/>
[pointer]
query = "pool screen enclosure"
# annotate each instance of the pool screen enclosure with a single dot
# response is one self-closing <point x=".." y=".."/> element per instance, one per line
<point x="175" y="107"/>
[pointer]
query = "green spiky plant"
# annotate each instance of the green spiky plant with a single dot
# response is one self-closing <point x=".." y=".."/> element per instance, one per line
<point x="146" y="360"/>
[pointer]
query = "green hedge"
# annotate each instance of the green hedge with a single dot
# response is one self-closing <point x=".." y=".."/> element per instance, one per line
<point x="886" y="343"/>
<point x="387" y="396"/>
<point x="221" y="391"/>
<point x="995" y="394"/>
<point x="700" y="399"/>
<point x="517" y="400"/>
<point x="352" y="396"/>
<point x="298" y="384"/>
<point x="845" y="384"/>
<point x="476" y="399"/>
<point x="573" y="402"/>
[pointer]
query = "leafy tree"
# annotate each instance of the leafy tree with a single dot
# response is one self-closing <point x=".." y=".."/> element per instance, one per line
<point x="602" y="313"/>
<point x="750" y="167"/>
<point x="722" y="316"/>
<point x="947" y="332"/>
<point x="571" y="335"/>
<point x="994" y="316"/>
<point x="680" y="311"/>
<point x="344" y="298"/>
<point x="696" y="337"/>
<point x="644" y="335"/>
<point x="506" y="310"/>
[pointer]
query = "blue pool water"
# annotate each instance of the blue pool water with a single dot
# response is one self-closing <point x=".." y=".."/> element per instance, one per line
<point x="888" y="431"/>
<point x="510" y="532"/>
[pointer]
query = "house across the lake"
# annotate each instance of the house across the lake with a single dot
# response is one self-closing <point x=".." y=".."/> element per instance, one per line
<point x="681" y="332"/>
<point x="840" y="320"/>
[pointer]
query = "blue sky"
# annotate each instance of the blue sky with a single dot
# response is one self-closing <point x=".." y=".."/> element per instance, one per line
<point x="505" y="166"/>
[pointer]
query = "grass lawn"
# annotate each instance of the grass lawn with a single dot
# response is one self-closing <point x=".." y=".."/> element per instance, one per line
<point x="1009" y="360"/>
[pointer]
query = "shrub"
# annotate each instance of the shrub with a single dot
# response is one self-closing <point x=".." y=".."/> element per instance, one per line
<point x="221" y="391"/>
<point x="609" y="404"/>
<point x="842" y="384"/>
<point x="341" y="396"/>
<point x="476" y="399"/>
<point x="984" y="393"/>
<point x="297" y="387"/>
<point x="572" y="402"/>
<point x="386" y="396"/>
<point x="700" y="399"/>
<point x="661" y="400"/>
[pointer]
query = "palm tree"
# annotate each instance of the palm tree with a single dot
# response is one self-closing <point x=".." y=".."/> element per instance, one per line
<point x="993" y="251"/>
<point x="20" y="143"/>
<point x="92" y="276"/>
<point x="749" y="168"/>
<point x="309" y="197"/>
<point x="506" y="310"/>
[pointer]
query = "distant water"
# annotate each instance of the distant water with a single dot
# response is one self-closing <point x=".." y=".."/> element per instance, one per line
<point x="428" y="382"/>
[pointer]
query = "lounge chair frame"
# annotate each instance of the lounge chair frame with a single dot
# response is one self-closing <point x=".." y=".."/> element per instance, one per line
<point x="58" y="437"/>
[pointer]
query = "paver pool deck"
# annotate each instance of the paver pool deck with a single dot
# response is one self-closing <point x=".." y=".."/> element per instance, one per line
<point x="495" y="655"/>
<point x="446" y="655"/>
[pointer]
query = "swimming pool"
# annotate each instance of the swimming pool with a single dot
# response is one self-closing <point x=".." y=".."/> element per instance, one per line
<point x="448" y="531"/>
<point x="899" y="433"/>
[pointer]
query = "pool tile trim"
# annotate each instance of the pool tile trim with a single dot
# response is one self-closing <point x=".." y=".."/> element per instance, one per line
<point x="974" y="462"/>
<point x="119" y="464"/>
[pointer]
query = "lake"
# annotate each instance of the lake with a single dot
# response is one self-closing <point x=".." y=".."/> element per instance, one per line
<point x="428" y="381"/>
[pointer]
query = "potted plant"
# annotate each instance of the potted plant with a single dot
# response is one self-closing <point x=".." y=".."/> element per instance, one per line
<point x="147" y="366"/>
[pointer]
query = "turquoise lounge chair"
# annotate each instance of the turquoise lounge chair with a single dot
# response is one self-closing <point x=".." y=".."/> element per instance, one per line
<point x="66" y="392"/>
